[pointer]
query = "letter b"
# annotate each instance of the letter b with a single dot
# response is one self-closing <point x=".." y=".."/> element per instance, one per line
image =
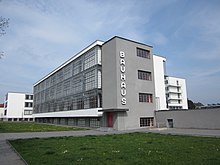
<point x="122" y="54"/>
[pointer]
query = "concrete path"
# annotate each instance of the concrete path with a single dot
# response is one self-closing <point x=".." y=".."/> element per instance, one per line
<point x="9" y="157"/>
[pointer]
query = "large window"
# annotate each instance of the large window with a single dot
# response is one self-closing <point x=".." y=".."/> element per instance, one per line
<point x="77" y="67"/>
<point x="143" y="53"/>
<point x="67" y="71"/>
<point x="90" y="59"/>
<point x="59" y="89"/>
<point x="145" y="97"/>
<point x="144" y="75"/>
<point x="72" y="87"/>
<point x="94" y="122"/>
<point x="90" y="80"/>
<point x="27" y="112"/>
<point x="77" y="85"/>
<point x="28" y="97"/>
<point x="67" y="87"/>
<point x="28" y="104"/>
<point x="146" y="122"/>
<point x="59" y="76"/>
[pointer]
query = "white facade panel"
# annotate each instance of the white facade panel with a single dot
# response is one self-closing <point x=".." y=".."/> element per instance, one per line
<point x="160" y="93"/>
<point x="176" y="93"/>
<point x="17" y="106"/>
<point x="76" y="113"/>
<point x="1" y="112"/>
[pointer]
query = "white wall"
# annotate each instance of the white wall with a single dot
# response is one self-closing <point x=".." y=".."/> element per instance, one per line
<point x="74" y="113"/>
<point x="1" y="112"/>
<point x="172" y="83"/>
<point x="16" y="106"/>
<point x="159" y="82"/>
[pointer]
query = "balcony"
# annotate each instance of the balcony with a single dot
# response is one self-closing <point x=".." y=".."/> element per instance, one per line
<point x="174" y="104"/>
<point x="175" y="98"/>
<point x="173" y="85"/>
<point x="174" y="91"/>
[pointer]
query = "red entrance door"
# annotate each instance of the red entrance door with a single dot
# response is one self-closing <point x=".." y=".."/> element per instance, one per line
<point x="110" y="119"/>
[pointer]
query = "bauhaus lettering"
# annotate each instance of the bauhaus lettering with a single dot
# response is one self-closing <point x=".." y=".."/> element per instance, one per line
<point x="122" y="77"/>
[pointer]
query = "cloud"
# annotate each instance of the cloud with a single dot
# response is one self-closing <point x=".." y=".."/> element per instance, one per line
<point x="44" y="34"/>
<point x="159" y="39"/>
<point x="39" y="25"/>
<point x="199" y="72"/>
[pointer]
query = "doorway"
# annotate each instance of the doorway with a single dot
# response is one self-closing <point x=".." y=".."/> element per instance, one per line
<point x="110" y="119"/>
<point x="170" y="123"/>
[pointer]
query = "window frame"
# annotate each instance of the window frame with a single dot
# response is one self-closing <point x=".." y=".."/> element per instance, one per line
<point x="146" y="121"/>
<point x="144" y="75"/>
<point x="145" y="98"/>
<point x="28" y="104"/>
<point x="144" y="53"/>
<point x="28" y="112"/>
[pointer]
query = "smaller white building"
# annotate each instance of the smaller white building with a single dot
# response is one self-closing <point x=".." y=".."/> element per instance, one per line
<point x="170" y="92"/>
<point x="176" y="95"/>
<point x="1" y="111"/>
<point x="18" y="107"/>
<point x="159" y="72"/>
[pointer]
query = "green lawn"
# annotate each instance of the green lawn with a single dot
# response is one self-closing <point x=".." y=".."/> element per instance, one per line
<point x="7" y="127"/>
<point x="131" y="149"/>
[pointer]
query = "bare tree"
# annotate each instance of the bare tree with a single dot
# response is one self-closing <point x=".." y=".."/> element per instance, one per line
<point x="1" y="55"/>
<point x="4" y="23"/>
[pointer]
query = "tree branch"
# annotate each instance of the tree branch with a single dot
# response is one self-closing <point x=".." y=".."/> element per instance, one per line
<point x="4" y="23"/>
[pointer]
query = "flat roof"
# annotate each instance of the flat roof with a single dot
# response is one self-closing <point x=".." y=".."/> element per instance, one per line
<point x="96" y="43"/>
<point x="127" y="40"/>
<point x="28" y="93"/>
<point x="174" y="77"/>
<point x="156" y="55"/>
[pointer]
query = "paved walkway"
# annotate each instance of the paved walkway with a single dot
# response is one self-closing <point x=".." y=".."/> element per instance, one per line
<point x="9" y="157"/>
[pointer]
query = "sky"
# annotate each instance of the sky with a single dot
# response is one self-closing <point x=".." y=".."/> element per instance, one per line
<point x="42" y="34"/>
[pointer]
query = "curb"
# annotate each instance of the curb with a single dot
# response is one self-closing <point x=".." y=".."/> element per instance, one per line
<point x="19" y="155"/>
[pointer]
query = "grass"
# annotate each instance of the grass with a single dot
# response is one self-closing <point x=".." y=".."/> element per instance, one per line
<point x="9" y="127"/>
<point x="129" y="149"/>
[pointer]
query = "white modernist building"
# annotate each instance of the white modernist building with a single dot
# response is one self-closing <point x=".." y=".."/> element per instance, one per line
<point x="176" y="95"/>
<point x="170" y="92"/>
<point x="118" y="84"/>
<point x="1" y="111"/>
<point x="18" y="107"/>
<point x="160" y="93"/>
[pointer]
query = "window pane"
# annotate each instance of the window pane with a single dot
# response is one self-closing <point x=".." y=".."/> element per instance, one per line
<point x="147" y="122"/>
<point x="143" y="53"/>
<point x="144" y="75"/>
<point x="145" y="97"/>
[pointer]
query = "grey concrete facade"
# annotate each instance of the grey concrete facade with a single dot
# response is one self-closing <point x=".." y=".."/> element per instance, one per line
<point x="108" y="84"/>
<point x="199" y="119"/>
<point x="112" y="82"/>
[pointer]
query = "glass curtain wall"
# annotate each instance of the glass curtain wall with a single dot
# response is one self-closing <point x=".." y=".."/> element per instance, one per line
<point x="73" y="87"/>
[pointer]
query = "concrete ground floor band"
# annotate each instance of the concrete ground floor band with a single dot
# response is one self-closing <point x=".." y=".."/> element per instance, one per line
<point x="93" y="122"/>
<point x="118" y="120"/>
<point x="109" y="119"/>
<point x="17" y="119"/>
